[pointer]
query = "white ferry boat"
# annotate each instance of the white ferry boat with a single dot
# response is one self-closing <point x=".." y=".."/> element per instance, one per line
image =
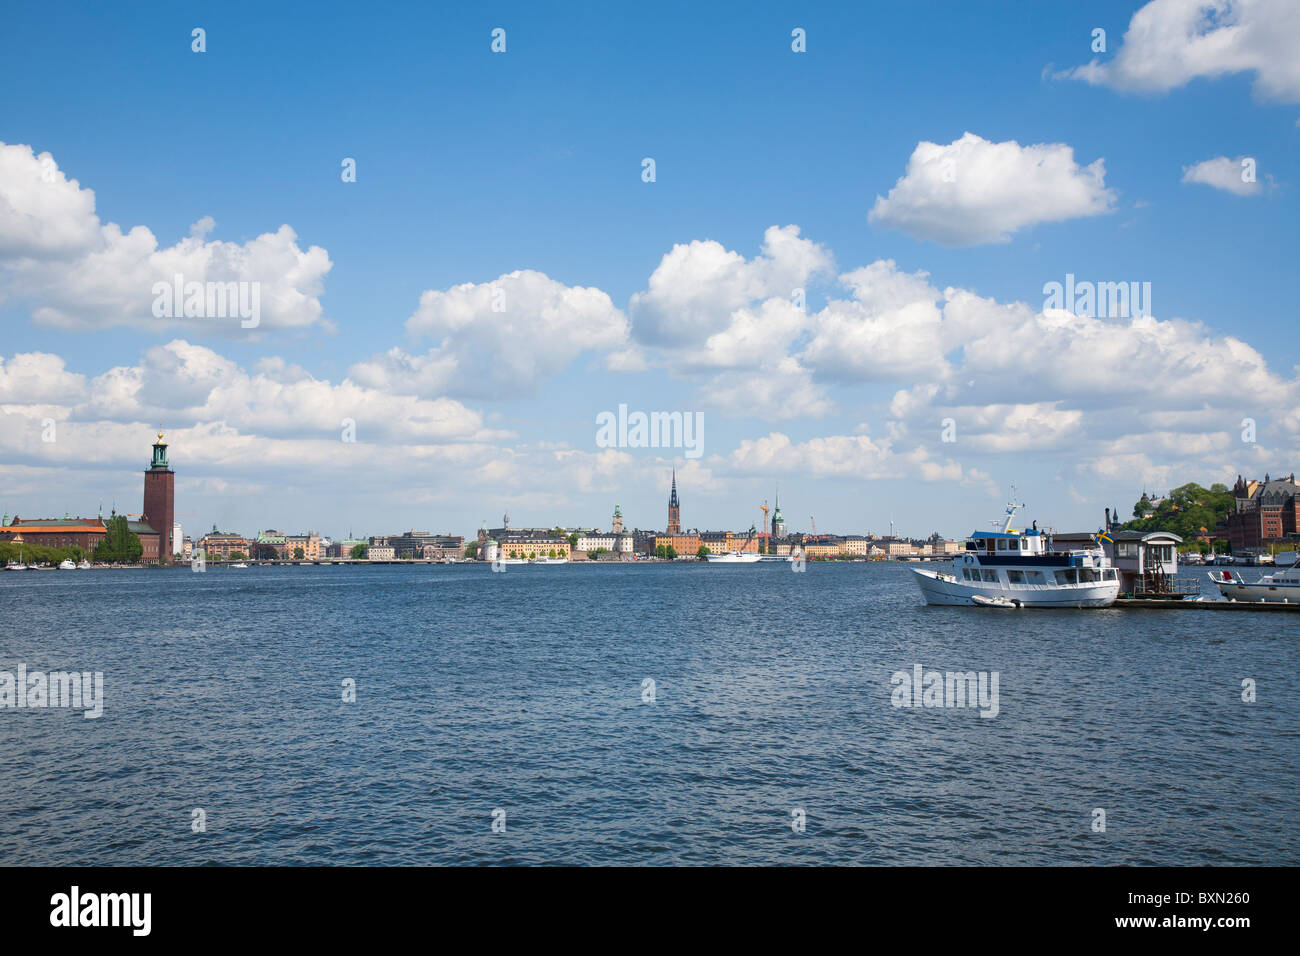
<point x="734" y="557"/>
<point x="1020" y="569"/>
<point x="1280" y="587"/>
<point x="67" y="565"/>
<point x="548" y="560"/>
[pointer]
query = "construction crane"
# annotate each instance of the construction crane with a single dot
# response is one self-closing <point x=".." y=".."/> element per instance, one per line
<point x="763" y="508"/>
<point x="814" y="524"/>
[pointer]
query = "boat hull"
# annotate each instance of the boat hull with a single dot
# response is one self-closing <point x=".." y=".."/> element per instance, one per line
<point x="944" y="589"/>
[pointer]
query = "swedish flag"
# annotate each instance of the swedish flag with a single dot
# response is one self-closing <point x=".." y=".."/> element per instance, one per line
<point x="1104" y="536"/>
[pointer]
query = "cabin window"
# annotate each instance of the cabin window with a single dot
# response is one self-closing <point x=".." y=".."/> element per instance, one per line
<point x="990" y="576"/>
<point x="1002" y="544"/>
<point x="1088" y="576"/>
<point x="1035" y="577"/>
<point x="1016" y="577"/>
<point x="1014" y="544"/>
<point x="1108" y="574"/>
<point x="1067" y="576"/>
<point x="972" y="546"/>
<point x="965" y="573"/>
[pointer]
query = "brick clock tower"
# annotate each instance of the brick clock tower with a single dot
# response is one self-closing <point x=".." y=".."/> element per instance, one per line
<point x="160" y="499"/>
<point x="674" y="509"/>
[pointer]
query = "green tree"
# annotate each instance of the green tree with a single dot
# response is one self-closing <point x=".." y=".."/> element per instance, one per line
<point x="573" y="541"/>
<point x="120" y="543"/>
<point x="299" y="554"/>
<point x="661" y="551"/>
<point x="471" y="550"/>
<point x="703" y="552"/>
<point x="358" y="552"/>
<point x="238" y="556"/>
<point x="670" y="553"/>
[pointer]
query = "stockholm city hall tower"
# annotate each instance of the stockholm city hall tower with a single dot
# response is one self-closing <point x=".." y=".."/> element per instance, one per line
<point x="160" y="499"/>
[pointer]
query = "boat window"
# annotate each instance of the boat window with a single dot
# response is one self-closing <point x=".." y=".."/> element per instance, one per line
<point x="1002" y="544"/>
<point x="1066" y="576"/>
<point x="990" y="576"/>
<point x="1014" y="544"/>
<point x="1035" y="577"/>
<point x="972" y="546"/>
<point x="1088" y="576"/>
<point x="1016" y="577"/>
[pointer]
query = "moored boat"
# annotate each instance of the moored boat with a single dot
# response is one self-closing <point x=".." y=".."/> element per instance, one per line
<point x="1279" y="587"/>
<point x="1010" y="568"/>
<point x="734" y="557"/>
<point x="67" y="564"/>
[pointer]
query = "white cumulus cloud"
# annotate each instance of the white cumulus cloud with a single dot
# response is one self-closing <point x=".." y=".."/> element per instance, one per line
<point x="1172" y="42"/>
<point x="973" y="191"/>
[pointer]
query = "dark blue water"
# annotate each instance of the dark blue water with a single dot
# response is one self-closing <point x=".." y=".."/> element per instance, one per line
<point x="522" y="691"/>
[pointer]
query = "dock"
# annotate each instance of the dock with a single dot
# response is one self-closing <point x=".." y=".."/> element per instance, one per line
<point x="1205" y="605"/>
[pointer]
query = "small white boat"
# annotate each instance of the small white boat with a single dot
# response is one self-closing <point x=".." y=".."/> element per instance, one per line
<point x="983" y="601"/>
<point x="549" y="561"/>
<point x="19" y="566"/>
<point x="241" y="564"/>
<point x="734" y="557"/>
<point x="83" y="565"/>
<point x="1280" y="587"/>
<point x="67" y="565"/>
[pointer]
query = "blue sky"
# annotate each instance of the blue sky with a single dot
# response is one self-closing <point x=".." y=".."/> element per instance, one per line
<point x="471" y="165"/>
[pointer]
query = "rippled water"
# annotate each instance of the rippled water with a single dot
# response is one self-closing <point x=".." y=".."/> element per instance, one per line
<point x="523" y="691"/>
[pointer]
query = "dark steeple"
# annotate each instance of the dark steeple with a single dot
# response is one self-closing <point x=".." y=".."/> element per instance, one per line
<point x="674" y="509"/>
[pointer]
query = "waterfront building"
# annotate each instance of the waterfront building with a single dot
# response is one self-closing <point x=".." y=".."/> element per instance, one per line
<point x="84" y="533"/>
<point x="159" y="510"/>
<point x="594" y="541"/>
<point x="781" y="546"/>
<point x="178" y="538"/>
<point x="309" y="542"/>
<point x="343" y="549"/>
<point x="221" y="545"/>
<point x="529" y="545"/>
<point x="854" y="546"/>
<point x="378" y="548"/>
<point x="1263" y="512"/>
<point x="270" y="546"/>
<point x="684" y="544"/>
<point x="66" y="532"/>
<point x="674" y="510"/>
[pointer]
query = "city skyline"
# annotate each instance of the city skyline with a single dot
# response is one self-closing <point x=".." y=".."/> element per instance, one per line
<point x="894" y="293"/>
